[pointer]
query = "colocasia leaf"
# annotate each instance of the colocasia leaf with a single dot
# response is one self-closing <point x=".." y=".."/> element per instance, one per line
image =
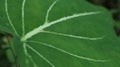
<point x="60" y="33"/>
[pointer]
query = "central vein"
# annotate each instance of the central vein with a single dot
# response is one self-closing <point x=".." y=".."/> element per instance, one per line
<point x="48" y="24"/>
<point x="42" y="27"/>
<point x="34" y="32"/>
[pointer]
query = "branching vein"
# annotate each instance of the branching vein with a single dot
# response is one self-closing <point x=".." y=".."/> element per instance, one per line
<point x="23" y="18"/>
<point x="9" y="19"/>
<point x="40" y="55"/>
<point x="44" y="26"/>
<point x="29" y="56"/>
<point x="74" y="55"/>
<point x="70" y="17"/>
<point x="48" y="11"/>
<point x="73" y="36"/>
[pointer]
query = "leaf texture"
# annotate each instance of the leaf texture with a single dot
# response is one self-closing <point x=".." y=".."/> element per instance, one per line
<point x="60" y="33"/>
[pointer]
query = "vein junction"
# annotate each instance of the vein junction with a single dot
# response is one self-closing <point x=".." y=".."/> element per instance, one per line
<point x="49" y="24"/>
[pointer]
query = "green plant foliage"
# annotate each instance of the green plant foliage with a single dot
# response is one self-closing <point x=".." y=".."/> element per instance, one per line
<point x="118" y="24"/>
<point x="60" y="33"/>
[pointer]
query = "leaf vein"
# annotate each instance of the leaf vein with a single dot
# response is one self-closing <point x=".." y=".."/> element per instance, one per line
<point x="29" y="56"/>
<point x="23" y="16"/>
<point x="48" y="11"/>
<point x="40" y="55"/>
<point x="71" y="54"/>
<point x="73" y="36"/>
<point x="9" y="19"/>
<point x="44" y="26"/>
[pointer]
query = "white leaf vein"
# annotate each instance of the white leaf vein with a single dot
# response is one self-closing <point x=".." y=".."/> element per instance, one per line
<point x="23" y="16"/>
<point x="28" y="55"/>
<point x="9" y="19"/>
<point x="48" y="11"/>
<point x="73" y="36"/>
<point x="40" y="55"/>
<point x="70" y="17"/>
<point x="71" y="54"/>
<point x="44" y="26"/>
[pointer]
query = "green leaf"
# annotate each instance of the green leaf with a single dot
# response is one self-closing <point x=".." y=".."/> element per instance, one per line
<point x="118" y="24"/>
<point x="60" y="33"/>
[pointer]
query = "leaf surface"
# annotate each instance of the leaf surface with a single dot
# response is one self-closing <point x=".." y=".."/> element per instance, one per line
<point x="60" y="33"/>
